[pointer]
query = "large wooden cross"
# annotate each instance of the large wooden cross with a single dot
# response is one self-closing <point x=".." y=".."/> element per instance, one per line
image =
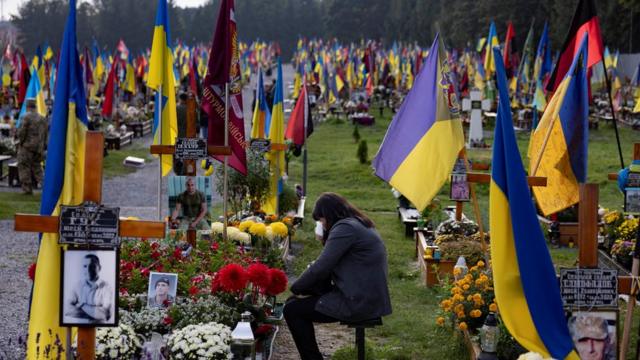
<point x="92" y="192"/>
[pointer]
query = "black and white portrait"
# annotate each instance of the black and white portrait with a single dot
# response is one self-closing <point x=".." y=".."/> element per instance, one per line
<point x="89" y="287"/>
<point x="162" y="289"/>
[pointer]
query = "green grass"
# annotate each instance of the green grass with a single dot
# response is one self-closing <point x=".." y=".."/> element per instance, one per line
<point x="410" y="333"/>
<point x="112" y="166"/>
<point x="16" y="202"/>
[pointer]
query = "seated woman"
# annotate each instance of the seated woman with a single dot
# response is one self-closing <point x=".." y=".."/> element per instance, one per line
<point x="348" y="281"/>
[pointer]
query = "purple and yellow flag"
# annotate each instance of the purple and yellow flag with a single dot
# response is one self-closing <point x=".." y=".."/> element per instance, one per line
<point x="64" y="175"/>
<point x="423" y="141"/>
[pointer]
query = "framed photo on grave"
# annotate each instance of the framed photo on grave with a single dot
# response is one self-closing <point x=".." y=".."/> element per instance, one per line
<point x="186" y="193"/>
<point x="459" y="190"/>
<point x="594" y="333"/>
<point x="632" y="200"/>
<point x="89" y="287"/>
<point x="163" y="288"/>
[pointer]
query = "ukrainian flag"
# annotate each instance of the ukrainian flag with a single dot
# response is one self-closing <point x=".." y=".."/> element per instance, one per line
<point x="524" y="279"/>
<point x="161" y="78"/>
<point x="63" y="185"/>
<point x="489" y="59"/>
<point x="564" y="158"/>
<point x="261" y="114"/>
<point x="276" y="156"/>
<point x="425" y="136"/>
<point x="34" y="91"/>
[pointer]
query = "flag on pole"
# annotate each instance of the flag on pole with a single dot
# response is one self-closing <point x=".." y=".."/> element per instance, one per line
<point x="585" y="20"/>
<point x="566" y="124"/>
<point x="425" y="136"/>
<point x="165" y="124"/>
<point x="224" y="68"/>
<point x="524" y="279"/>
<point x="64" y="174"/>
<point x="489" y="59"/>
<point x="109" y="89"/>
<point x="34" y="91"/>
<point x="261" y="113"/>
<point x="300" y="116"/>
<point x="509" y="49"/>
<point x="276" y="154"/>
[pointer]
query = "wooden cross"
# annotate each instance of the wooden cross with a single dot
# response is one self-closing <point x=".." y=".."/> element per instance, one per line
<point x="92" y="192"/>
<point x="189" y="163"/>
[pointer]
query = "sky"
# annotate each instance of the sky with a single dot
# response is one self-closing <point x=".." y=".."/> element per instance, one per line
<point x="10" y="7"/>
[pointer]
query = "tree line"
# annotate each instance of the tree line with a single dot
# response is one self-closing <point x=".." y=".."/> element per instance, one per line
<point x="461" y="22"/>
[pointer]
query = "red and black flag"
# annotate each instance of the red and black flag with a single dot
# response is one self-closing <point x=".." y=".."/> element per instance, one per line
<point x="585" y="20"/>
<point x="509" y="52"/>
<point x="300" y="119"/>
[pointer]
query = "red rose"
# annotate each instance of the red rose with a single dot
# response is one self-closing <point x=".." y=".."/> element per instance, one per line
<point x="278" y="282"/>
<point x="144" y="272"/>
<point x="259" y="275"/>
<point x="32" y="271"/>
<point x="233" y="278"/>
<point x="155" y="254"/>
<point x="167" y="320"/>
<point x="154" y="246"/>
<point x="193" y="290"/>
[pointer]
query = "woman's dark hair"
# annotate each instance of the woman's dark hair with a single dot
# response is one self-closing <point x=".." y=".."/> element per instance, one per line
<point x="333" y="208"/>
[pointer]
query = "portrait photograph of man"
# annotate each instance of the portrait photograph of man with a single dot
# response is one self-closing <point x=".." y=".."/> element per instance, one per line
<point x="189" y="202"/>
<point x="162" y="290"/>
<point x="594" y="335"/>
<point x="89" y="283"/>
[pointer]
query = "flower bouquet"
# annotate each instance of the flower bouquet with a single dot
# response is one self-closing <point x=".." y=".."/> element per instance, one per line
<point x="118" y="342"/>
<point x="201" y="341"/>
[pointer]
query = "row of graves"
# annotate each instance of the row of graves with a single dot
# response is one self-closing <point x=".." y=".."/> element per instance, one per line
<point x="167" y="289"/>
<point x="452" y="254"/>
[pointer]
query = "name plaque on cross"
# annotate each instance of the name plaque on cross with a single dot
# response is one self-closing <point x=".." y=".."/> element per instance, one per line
<point x="260" y="145"/>
<point x="475" y="104"/>
<point x="89" y="224"/>
<point x="190" y="149"/>
<point x="589" y="287"/>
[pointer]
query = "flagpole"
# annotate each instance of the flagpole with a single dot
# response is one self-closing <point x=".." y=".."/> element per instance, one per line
<point x="304" y="144"/>
<point x="613" y="112"/>
<point x="225" y="195"/>
<point x="158" y="109"/>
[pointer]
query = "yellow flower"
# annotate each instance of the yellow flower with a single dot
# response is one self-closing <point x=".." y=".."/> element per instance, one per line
<point x="287" y="220"/>
<point x="457" y="271"/>
<point x="462" y="326"/>
<point x="456" y="290"/>
<point x="477" y="297"/>
<point x="279" y="229"/>
<point x="258" y="229"/>
<point x="468" y="278"/>
<point x="459" y="308"/>
<point x="470" y="298"/>
<point x="480" y="264"/>
<point x="460" y="315"/>
<point x="465" y="286"/>
<point x="440" y="321"/>
<point x="493" y="307"/>
<point x="245" y="225"/>
<point x="217" y="227"/>
<point x="475" y="313"/>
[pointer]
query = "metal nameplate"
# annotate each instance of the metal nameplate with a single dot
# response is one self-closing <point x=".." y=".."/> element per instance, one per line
<point x="89" y="224"/>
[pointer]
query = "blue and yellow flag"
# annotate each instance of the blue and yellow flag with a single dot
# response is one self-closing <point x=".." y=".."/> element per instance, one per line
<point x="526" y="288"/>
<point x="64" y="175"/>
<point x="565" y="123"/>
<point x="425" y="136"/>
<point x="161" y="78"/>
<point x="34" y="91"/>
<point x="489" y="59"/>
<point x="261" y="114"/>
<point x="276" y="154"/>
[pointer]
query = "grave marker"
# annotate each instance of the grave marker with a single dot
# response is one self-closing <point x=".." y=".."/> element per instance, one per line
<point x="92" y="193"/>
<point x="475" y="105"/>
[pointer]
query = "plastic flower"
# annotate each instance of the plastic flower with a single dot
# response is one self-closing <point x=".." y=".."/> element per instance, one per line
<point x="245" y="225"/>
<point x="279" y="229"/>
<point x="258" y="229"/>
<point x="259" y="275"/>
<point x="233" y="278"/>
<point x="278" y="282"/>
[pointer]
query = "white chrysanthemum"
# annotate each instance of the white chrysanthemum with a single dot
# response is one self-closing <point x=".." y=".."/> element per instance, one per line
<point x="217" y="227"/>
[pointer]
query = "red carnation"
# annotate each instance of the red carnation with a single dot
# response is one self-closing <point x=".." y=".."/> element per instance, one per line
<point x="32" y="271"/>
<point x="193" y="290"/>
<point x="233" y="278"/>
<point x="278" y="282"/>
<point x="259" y="275"/>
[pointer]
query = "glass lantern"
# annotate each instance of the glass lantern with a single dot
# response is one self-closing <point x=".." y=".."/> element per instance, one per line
<point x="243" y="346"/>
<point x="489" y="336"/>
<point x="461" y="264"/>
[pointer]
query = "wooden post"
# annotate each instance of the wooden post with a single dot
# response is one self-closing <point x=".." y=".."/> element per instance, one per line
<point x="588" y="225"/>
<point x="92" y="191"/>
<point x="190" y="164"/>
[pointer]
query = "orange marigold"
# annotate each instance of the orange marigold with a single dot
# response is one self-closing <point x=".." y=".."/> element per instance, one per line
<point x="440" y="321"/>
<point x="493" y="307"/>
<point x="462" y="326"/>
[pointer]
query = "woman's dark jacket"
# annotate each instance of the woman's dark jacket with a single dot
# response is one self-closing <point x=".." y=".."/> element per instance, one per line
<point x="355" y="259"/>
